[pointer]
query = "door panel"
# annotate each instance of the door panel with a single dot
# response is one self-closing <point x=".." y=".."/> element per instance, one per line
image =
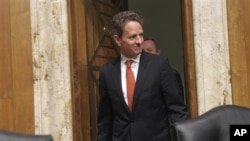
<point x="91" y="47"/>
<point x="16" y="83"/>
<point x="100" y="47"/>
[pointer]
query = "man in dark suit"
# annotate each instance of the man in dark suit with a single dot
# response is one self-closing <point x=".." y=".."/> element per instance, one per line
<point x="156" y="102"/>
<point x="150" y="45"/>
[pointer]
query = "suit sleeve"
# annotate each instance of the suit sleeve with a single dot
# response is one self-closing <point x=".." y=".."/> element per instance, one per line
<point x="176" y="106"/>
<point x="105" y="112"/>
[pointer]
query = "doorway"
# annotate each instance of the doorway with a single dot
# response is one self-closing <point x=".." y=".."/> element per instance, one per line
<point x="91" y="47"/>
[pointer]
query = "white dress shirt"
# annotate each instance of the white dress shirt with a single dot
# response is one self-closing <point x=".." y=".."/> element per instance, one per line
<point x="134" y="67"/>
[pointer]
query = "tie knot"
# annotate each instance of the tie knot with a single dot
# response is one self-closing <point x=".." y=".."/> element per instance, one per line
<point x="128" y="63"/>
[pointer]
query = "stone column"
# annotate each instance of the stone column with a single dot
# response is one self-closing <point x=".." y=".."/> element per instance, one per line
<point x="211" y="53"/>
<point x="51" y="68"/>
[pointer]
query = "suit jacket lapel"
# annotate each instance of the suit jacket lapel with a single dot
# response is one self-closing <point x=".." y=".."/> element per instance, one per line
<point x="117" y="81"/>
<point x="141" y="76"/>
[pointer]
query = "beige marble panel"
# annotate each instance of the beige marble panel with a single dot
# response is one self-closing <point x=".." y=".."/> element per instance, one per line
<point x="52" y="94"/>
<point x="211" y="53"/>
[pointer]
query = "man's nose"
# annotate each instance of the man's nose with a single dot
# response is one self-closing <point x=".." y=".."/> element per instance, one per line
<point x="139" y="40"/>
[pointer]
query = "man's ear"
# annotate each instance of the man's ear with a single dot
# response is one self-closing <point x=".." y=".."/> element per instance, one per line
<point x="117" y="40"/>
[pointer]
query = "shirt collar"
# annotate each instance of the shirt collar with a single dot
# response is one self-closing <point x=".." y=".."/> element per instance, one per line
<point x="136" y="60"/>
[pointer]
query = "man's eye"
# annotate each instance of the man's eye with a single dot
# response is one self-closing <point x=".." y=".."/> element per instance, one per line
<point x="132" y="37"/>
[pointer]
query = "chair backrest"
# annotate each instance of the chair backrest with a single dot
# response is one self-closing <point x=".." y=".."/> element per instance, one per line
<point x="14" y="136"/>
<point x="214" y="125"/>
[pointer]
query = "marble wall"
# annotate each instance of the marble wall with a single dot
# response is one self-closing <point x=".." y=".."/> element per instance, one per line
<point x="50" y="46"/>
<point x="52" y="71"/>
<point x="211" y="53"/>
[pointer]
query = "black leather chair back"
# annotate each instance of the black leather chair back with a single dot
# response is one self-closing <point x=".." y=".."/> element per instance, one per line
<point x="13" y="136"/>
<point x="214" y="125"/>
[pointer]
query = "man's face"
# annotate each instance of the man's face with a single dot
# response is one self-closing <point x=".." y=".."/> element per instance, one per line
<point x="131" y="40"/>
<point x="149" y="46"/>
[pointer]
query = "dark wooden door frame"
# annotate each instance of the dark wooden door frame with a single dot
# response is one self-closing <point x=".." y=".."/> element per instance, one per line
<point x="189" y="58"/>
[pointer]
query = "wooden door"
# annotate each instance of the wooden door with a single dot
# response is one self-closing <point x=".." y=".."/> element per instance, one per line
<point x="16" y="84"/>
<point x="91" y="47"/>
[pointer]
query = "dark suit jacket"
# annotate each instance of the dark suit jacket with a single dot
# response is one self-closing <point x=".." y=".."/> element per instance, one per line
<point x="156" y="102"/>
<point x="178" y="78"/>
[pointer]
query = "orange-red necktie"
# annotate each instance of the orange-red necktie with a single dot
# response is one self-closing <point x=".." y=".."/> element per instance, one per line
<point x="130" y="84"/>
